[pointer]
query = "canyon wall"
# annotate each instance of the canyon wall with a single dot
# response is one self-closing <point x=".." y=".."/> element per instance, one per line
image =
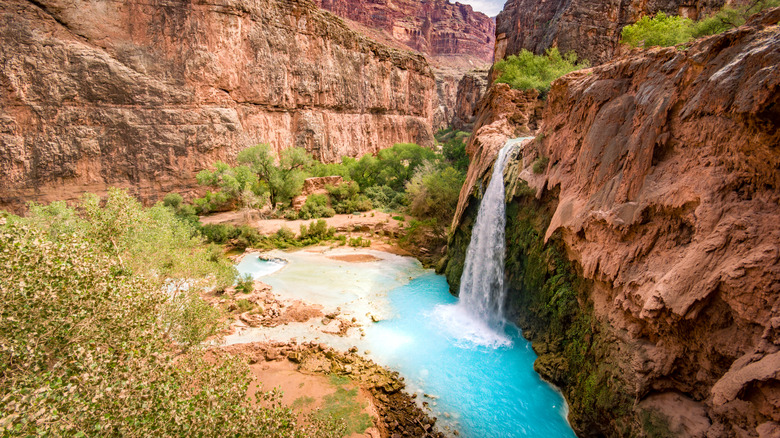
<point x="447" y="32"/>
<point x="471" y="87"/>
<point x="643" y="247"/>
<point x="591" y="28"/>
<point x="143" y="95"/>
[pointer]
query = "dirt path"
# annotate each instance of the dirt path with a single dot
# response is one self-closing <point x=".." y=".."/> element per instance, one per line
<point x="308" y="392"/>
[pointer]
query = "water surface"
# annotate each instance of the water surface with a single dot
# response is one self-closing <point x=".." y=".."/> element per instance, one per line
<point x="478" y="381"/>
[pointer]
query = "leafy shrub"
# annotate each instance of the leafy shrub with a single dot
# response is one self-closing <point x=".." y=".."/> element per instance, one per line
<point x="346" y="198"/>
<point x="527" y="71"/>
<point x="454" y="151"/>
<point x="316" y="206"/>
<point x="661" y="30"/>
<point x="669" y="30"/>
<point x="94" y="321"/>
<point x="173" y="200"/>
<point x="244" y="305"/>
<point x="219" y="233"/>
<point x="433" y="192"/>
<point x="540" y="164"/>
<point x="384" y="197"/>
<point x="317" y="231"/>
<point x="359" y="242"/>
<point x="245" y="284"/>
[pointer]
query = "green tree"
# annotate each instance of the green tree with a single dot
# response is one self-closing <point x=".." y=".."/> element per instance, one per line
<point x="526" y="71"/>
<point x="284" y="179"/>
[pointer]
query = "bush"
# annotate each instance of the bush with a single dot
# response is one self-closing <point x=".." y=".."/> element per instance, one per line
<point x="219" y="233"/>
<point x="433" y="193"/>
<point x="98" y="330"/>
<point x="245" y="284"/>
<point x="669" y="30"/>
<point x="527" y="71"/>
<point x="346" y="198"/>
<point x="316" y="232"/>
<point x="359" y="242"/>
<point x="661" y="30"/>
<point x="316" y="206"/>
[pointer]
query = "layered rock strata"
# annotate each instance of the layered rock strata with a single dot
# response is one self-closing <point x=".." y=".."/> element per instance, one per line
<point x="437" y="28"/>
<point x="144" y="94"/>
<point x="591" y="28"/>
<point x="643" y="247"/>
<point x="471" y="88"/>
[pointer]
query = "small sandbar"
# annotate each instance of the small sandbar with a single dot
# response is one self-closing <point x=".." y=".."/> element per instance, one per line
<point x="355" y="258"/>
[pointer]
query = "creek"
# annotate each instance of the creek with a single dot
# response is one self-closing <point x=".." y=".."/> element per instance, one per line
<point x="479" y="380"/>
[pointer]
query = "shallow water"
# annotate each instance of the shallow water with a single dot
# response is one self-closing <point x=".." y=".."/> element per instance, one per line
<point x="482" y="383"/>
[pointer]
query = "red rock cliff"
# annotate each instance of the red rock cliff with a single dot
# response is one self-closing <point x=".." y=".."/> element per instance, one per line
<point x="591" y="28"/>
<point x="145" y="94"/>
<point x="437" y="28"/>
<point x="663" y="189"/>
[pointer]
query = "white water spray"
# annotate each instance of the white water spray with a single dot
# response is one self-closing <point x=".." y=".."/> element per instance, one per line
<point x="482" y="290"/>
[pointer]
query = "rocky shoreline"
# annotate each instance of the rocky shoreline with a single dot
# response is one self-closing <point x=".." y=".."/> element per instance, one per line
<point x="399" y="414"/>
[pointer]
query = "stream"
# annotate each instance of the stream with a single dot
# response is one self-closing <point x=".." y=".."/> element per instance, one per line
<point x="476" y="379"/>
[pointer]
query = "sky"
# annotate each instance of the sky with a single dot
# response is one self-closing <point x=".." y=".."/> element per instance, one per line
<point x="491" y="8"/>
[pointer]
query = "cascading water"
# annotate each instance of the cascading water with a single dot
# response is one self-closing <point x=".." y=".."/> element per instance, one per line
<point x="482" y="290"/>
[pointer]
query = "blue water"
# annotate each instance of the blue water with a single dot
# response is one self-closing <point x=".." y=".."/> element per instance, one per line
<point x="484" y="381"/>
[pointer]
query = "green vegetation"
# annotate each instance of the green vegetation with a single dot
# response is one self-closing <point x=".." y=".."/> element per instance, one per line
<point x="454" y="147"/>
<point x="359" y="242"/>
<point x="343" y="405"/>
<point x="669" y="30"/>
<point x="527" y="71"/>
<point x="102" y="325"/>
<point x="540" y="165"/>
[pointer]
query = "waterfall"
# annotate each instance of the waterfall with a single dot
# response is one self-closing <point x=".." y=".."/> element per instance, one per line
<point x="482" y="291"/>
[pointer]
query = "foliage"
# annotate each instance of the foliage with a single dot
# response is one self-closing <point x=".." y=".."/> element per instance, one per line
<point x="343" y="405"/>
<point x="245" y="284"/>
<point x="359" y="242"/>
<point x="540" y="165"/>
<point x="669" y="30"/>
<point x="238" y="186"/>
<point x="454" y="151"/>
<point x="316" y="206"/>
<point x="92" y="298"/>
<point x="346" y="198"/>
<point x="433" y="192"/>
<point x="527" y="71"/>
<point x="384" y="197"/>
<point x="315" y="232"/>
<point x="284" y="180"/>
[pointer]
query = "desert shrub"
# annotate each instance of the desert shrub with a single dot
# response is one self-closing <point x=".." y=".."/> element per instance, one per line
<point x="346" y="198"/>
<point x="385" y="197"/>
<point x="527" y="71"/>
<point x="173" y="200"/>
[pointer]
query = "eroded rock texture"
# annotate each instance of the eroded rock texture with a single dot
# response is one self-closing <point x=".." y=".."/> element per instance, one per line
<point x="144" y="94"/>
<point x="437" y="28"/>
<point x="471" y="87"/>
<point x="591" y="28"/>
<point x="643" y="238"/>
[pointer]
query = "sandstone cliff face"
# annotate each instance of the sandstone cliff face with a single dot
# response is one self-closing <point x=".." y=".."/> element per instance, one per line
<point x="591" y="28"/>
<point x="437" y="28"/>
<point x="644" y="252"/>
<point x="145" y="94"/>
<point x="471" y="88"/>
